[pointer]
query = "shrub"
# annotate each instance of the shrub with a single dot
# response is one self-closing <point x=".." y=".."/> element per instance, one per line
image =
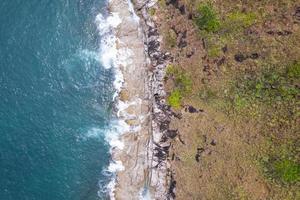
<point x="152" y="11"/>
<point x="239" y="19"/>
<point x="293" y="70"/>
<point x="207" y="18"/>
<point x="171" y="38"/>
<point x="283" y="170"/>
<point x="183" y="82"/>
<point x="174" y="100"/>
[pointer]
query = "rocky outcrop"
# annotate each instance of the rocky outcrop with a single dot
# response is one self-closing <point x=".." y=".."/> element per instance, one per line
<point x="161" y="178"/>
<point x="148" y="138"/>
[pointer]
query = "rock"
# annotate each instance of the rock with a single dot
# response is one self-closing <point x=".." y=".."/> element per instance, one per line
<point x="297" y="13"/>
<point x="182" y="9"/>
<point x="132" y="122"/>
<point x="254" y="56"/>
<point x="198" y="154"/>
<point x="213" y="143"/>
<point x="225" y="49"/>
<point x="239" y="57"/>
<point x="191" y="109"/>
<point x="221" y="61"/>
<point x="171" y="192"/>
<point x="124" y="95"/>
<point x="172" y="133"/>
<point x="182" y="44"/>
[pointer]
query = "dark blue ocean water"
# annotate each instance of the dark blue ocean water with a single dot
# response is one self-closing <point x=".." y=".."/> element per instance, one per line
<point x="54" y="99"/>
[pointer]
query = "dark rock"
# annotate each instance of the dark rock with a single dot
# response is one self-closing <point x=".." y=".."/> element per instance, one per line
<point x="221" y="61"/>
<point x="270" y="32"/>
<point x="152" y="32"/>
<point x="172" y="133"/>
<point x="225" y="49"/>
<point x="184" y="34"/>
<point x="189" y="54"/>
<point x="177" y="115"/>
<point x="180" y="139"/>
<point x="197" y="157"/>
<point x="254" y="56"/>
<point x="206" y="68"/>
<point x="284" y="33"/>
<point x="153" y="45"/>
<point x="191" y="109"/>
<point x="171" y="191"/>
<point x="182" y="9"/>
<point x="203" y="43"/>
<point x="182" y="43"/>
<point x="213" y="143"/>
<point x="297" y="13"/>
<point x="198" y="154"/>
<point x="164" y="126"/>
<point x="239" y="57"/>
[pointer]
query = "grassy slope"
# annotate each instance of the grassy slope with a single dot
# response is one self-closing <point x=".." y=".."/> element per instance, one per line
<point x="241" y="65"/>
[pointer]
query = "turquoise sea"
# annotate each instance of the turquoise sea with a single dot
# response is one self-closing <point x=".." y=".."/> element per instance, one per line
<point x="55" y="101"/>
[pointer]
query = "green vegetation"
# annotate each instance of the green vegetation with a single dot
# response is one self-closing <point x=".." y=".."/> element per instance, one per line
<point x="268" y="87"/>
<point x="174" y="100"/>
<point x="183" y="84"/>
<point x="238" y="21"/>
<point x="207" y="18"/>
<point x="171" y="38"/>
<point x="293" y="71"/>
<point x="152" y="11"/>
<point x="282" y="165"/>
<point x="287" y="171"/>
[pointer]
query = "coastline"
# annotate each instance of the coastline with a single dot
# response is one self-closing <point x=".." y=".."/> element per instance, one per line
<point x="143" y="169"/>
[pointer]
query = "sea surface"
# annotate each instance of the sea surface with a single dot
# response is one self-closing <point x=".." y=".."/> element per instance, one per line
<point x="55" y="100"/>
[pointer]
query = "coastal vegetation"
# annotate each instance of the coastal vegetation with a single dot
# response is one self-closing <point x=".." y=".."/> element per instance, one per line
<point x="182" y="85"/>
<point x="241" y="65"/>
<point x="207" y="18"/>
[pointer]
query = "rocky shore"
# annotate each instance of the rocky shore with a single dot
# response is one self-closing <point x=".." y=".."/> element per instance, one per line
<point x="142" y="106"/>
<point x="146" y="173"/>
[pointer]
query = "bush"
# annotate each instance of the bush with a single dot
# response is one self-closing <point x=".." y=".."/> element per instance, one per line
<point x="293" y="70"/>
<point x="287" y="171"/>
<point x="171" y="38"/>
<point x="240" y="20"/>
<point x="182" y="80"/>
<point x="207" y="18"/>
<point x="282" y="170"/>
<point x="174" y="100"/>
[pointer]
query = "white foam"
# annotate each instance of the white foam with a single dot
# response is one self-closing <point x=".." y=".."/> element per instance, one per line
<point x="114" y="54"/>
<point x="108" y="46"/>
<point x="144" y="194"/>
<point x="131" y="10"/>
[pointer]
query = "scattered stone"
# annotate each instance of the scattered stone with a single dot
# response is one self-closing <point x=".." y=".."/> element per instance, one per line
<point x="254" y="56"/>
<point x="213" y="143"/>
<point x="179" y="137"/>
<point x="182" y="44"/>
<point x="297" y="14"/>
<point x="240" y="57"/>
<point x="172" y="133"/>
<point x="190" y="53"/>
<point x="280" y="33"/>
<point x="182" y="9"/>
<point x="192" y="109"/>
<point x="221" y="61"/>
<point x="171" y="192"/>
<point x="225" y="49"/>
<point x="173" y="156"/>
<point x="198" y="154"/>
